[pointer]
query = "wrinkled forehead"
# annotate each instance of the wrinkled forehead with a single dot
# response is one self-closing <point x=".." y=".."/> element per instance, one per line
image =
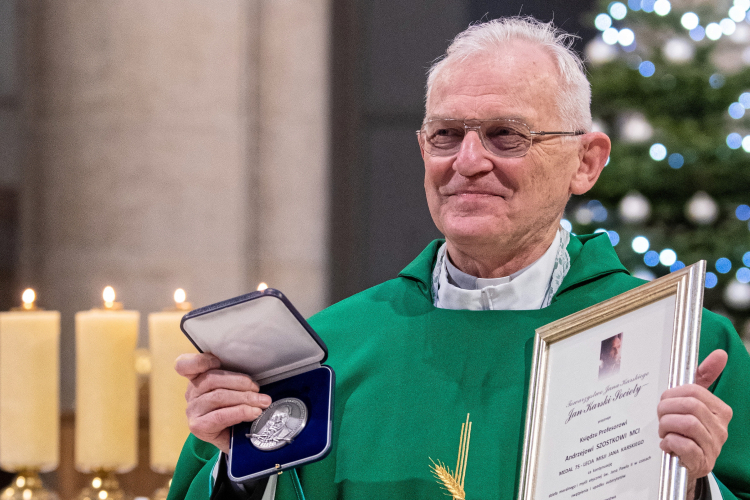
<point x="515" y="81"/>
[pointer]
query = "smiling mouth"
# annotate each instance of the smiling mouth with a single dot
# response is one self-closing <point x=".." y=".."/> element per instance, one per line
<point x="474" y="194"/>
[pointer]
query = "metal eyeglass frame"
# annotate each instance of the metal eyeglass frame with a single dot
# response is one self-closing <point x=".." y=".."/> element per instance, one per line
<point x="478" y="130"/>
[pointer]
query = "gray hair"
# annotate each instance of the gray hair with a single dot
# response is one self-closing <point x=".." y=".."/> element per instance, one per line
<point x="573" y="95"/>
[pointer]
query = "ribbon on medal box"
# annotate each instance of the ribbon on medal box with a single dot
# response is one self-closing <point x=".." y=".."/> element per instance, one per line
<point x="262" y="335"/>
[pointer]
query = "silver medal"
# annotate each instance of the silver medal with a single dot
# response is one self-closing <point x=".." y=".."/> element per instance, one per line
<point x="279" y="424"/>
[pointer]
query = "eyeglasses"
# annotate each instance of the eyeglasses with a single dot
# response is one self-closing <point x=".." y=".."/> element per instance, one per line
<point x="506" y="138"/>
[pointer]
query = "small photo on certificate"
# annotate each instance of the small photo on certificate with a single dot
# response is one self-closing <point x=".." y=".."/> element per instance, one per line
<point x="609" y="358"/>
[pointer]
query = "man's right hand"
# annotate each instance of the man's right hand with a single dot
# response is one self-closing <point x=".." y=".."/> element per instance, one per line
<point x="217" y="399"/>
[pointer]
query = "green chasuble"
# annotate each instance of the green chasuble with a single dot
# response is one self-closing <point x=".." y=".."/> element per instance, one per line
<point x="407" y="374"/>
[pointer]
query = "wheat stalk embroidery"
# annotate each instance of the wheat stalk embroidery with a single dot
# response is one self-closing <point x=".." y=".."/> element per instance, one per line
<point x="453" y="482"/>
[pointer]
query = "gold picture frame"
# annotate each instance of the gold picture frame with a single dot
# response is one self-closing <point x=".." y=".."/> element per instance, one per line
<point x="685" y="288"/>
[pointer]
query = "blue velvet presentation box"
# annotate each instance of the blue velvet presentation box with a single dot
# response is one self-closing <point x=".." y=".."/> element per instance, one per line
<point x="262" y="335"/>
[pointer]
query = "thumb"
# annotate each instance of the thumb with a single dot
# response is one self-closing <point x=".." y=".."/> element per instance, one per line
<point x="711" y="368"/>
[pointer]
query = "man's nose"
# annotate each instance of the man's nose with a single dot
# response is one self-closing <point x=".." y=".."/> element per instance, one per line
<point x="472" y="158"/>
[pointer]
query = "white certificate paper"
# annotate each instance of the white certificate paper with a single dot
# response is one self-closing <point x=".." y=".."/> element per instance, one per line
<point x="601" y="437"/>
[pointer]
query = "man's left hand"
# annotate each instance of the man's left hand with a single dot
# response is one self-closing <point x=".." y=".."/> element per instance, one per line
<point x="693" y="422"/>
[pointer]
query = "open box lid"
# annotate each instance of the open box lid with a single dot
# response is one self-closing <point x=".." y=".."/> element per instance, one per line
<point x="260" y="334"/>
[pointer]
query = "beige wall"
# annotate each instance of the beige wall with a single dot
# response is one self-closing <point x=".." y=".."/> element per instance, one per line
<point x="174" y="144"/>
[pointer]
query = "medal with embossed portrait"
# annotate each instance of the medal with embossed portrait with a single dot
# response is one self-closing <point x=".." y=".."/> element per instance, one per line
<point x="279" y="424"/>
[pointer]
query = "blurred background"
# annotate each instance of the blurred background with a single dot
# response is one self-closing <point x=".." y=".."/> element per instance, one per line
<point x="214" y="145"/>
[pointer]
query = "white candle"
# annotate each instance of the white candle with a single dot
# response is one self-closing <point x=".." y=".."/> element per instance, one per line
<point x="29" y="388"/>
<point x="106" y="388"/>
<point x="168" y="422"/>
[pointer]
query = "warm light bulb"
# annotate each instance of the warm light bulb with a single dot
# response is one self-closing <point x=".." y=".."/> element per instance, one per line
<point x="28" y="297"/>
<point x="109" y="295"/>
<point x="180" y="296"/>
<point x="96" y="482"/>
<point x="262" y="286"/>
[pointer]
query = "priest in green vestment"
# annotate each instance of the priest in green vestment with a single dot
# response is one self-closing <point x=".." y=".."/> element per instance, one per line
<point x="506" y="140"/>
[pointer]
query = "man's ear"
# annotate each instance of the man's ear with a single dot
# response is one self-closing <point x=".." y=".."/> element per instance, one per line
<point x="592" y="155"/>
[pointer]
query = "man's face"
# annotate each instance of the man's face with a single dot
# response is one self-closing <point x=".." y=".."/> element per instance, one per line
<point x="475" y="197"/>
<point x="614" y="351"/>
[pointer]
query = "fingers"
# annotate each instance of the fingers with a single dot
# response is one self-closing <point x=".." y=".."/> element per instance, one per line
<point x="694" y="391"/>
<point x="192" y="365"/>
<point x="225" y="398"/>
<point x="693" y="422"/>
<point x="214" y="427"/>
<point x="217" y="399"/>
<point x="690" y="454"/>
<point x="680" y="427"/>
<point x="219" y="379"/>
<point x="676" y="400"/>
<point x="711" y="368"/>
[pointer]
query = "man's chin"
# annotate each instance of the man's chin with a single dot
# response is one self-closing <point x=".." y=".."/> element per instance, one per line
<point x="475" y="230"/>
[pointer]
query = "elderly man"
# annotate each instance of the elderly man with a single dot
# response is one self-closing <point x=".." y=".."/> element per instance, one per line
<point x="506" y="141"/>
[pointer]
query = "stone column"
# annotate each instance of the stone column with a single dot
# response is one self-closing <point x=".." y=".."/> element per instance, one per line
<point x="147" y="168"/>
<point x="293" y="162"/>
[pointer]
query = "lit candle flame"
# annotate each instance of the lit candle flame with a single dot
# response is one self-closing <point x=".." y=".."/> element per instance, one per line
<point x="28" y="298"/>
<point x="262" y="286"/>
<point x="180" y="296"/>
<point x="109" y="297"/>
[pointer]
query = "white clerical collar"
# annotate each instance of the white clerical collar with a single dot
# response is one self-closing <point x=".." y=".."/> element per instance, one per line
<point x="529" y="288"/>
<point x="465" y="281"/>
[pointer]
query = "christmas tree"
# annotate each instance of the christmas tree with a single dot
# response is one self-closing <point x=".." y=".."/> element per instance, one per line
<point x="671" y="86"/>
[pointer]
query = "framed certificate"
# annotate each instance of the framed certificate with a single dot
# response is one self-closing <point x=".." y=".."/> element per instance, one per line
<point x="596" y="380"/>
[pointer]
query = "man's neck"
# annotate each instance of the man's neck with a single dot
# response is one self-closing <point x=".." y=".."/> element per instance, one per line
<point x="498" y="260"/>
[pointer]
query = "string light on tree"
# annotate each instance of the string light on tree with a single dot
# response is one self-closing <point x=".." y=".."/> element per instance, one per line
<point x="658" y="152"/>
<point x="626" y="37"/>
<point x="689" y="20"/>
<point x="727" y="26"/>
<point x="603" y="22"/>
<point x="698" y="33"/>
<point x="723" y="265"/>
<point x="676" y="266"/>
<point x="640" y="244"/>
<point x="618" y="10"/>
<point x="667" y="257"/>
<point x="737" y="13"/>
<point x="610" y="36"/>
<point x="662" y="7"/>
<point x="736" y="110"/>
<point x="742" y="212"/>
<point x="711" y="280"/>
<point x="734" y="140"/>
<point x="713" y="31"/>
